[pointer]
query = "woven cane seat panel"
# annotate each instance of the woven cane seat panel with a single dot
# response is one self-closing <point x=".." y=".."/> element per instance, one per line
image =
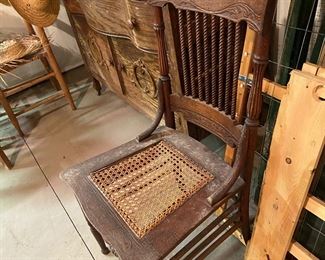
<point x="146" y="187"/>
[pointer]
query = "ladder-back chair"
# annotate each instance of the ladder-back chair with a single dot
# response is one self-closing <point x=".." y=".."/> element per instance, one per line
<point x="53" y="73"/>
<point x="146" y="196"/>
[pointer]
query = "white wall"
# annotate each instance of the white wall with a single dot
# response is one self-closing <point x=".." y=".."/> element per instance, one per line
<point x="62" y="39"/>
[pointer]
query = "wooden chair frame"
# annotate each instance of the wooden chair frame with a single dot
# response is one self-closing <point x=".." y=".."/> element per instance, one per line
<point x="235" y="188"/>
<point x="196" y="112"/>
<point x="46" y="56"/>
<point x="5" y="159"/>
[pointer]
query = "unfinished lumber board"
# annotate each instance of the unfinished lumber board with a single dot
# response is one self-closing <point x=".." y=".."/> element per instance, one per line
<point x="230" y="153"/>
<point x="273" y="89"/>
<point x="301" y="253"/>
<point x="321" y="72"/>
<point x="245" y="68"/>
<point x="310" y="68"/>
<point x="297" y="144"/>
<point x="316" y="206"/>
<point x="321" y="59"/>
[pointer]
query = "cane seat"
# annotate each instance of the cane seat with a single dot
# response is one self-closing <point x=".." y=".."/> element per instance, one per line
<point x="149" y="185"/>
<point x="165" y="195"/>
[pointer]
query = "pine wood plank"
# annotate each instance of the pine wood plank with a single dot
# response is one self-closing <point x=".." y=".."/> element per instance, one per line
<point x="310" y="68"/>
<point x="230" y="153"/>
<point x="273" y="89"/>
<point x="321" y="59"/>
<point x="245" y="69"/>
<point x="321" y="72"/>
<point x="316" y="206"/>
<point x="296" y="147"/>
<point x="301" y="253"/>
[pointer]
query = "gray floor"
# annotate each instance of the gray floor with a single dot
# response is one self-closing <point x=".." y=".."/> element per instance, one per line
<point x="39" y="216"/>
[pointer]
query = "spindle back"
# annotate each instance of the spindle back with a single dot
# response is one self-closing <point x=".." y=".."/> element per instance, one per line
<point x="208" y="40"/>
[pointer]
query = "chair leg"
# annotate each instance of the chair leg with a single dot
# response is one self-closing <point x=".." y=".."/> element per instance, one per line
<point x="47" y="67"/>
<point x="97" y="86"/>
<point x="54" y="65"/>
<point x="244" y="215"/>
<point x="10" y="113"/>
<point x="5" y="159"/>
<point x="99" y="239"/>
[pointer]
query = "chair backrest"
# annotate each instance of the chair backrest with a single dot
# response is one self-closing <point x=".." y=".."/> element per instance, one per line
<point x="208" y="38"/>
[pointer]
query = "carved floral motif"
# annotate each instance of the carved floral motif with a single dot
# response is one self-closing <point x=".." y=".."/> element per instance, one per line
<point x="143" y="79"/>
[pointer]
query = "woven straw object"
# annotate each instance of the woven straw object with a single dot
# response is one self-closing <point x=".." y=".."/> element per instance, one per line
<point x="146" y="187"/>
<point x="41" y="13"/>
<point x="13" y="51"/>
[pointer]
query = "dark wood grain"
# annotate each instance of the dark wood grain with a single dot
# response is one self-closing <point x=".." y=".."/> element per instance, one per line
<point x="251" y="11"/>
<point x="199" y="51"/>
<point x="222" y="64"/>
<point x="206" y="46"/>
<point x="207" y="117"/>
<point x="184" y="54"/>
<point x="214" y="60"/>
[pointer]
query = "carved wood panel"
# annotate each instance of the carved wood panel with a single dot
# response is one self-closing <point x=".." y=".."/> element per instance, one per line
<point x="97" y="53"/>
<point x="252" y="11"/>
<point x="140" y="72"/>
<point x="123" y="18"/>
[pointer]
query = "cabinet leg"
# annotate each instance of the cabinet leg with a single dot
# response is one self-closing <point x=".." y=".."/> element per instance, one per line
<point x="97" y="86"/>
<point x="99" y="239"/>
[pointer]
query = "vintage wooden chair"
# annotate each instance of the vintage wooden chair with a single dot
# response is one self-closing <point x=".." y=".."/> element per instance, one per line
<point x="5" y="160"/>
<point x="146" y="196"/>
<point x="53" y="72"/>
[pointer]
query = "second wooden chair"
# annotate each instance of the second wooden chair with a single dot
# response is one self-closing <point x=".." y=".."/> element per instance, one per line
<point x="33" y="46"/>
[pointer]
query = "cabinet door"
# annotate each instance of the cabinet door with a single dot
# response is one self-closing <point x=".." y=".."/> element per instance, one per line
<point x="96" y="50"/>
<point x="139" y="72"/>
<point x="123" y="18"/>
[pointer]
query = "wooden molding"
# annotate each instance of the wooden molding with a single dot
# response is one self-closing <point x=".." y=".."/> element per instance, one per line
<point x="316" y="206"/>
<point x="301" y="253"/>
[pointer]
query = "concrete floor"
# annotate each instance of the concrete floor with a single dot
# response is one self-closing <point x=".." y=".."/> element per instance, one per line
<point x="39" y="216"/>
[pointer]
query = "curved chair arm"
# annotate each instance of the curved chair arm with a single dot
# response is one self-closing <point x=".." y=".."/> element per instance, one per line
<point x="238" y="166"/>
<point x="159" y="115"/>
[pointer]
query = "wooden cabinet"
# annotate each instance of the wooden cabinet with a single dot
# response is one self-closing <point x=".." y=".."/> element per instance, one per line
<point x="118" y="45"/>
<point x="97" y="54"/>
<point x="123" y="18"/>
<point x="139" y="71"/>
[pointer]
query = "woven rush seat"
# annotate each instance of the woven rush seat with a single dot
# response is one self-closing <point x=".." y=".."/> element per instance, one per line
<point x="147" y="186"/>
